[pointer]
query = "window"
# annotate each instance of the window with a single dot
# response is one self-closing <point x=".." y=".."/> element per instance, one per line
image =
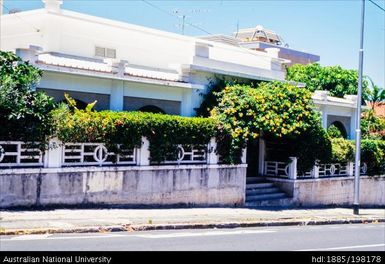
<point x="105" y="52"/>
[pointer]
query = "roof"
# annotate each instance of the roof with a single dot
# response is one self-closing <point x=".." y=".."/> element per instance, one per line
<point x="250" y="34"/>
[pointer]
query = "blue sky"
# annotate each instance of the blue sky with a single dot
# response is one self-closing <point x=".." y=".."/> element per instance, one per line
<point x="327" y="28"/>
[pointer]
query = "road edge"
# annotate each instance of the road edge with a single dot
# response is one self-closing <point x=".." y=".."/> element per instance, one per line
<point x="178" y="226"/>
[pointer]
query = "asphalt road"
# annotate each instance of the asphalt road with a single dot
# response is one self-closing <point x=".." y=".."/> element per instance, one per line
<point x="350" y="237"/>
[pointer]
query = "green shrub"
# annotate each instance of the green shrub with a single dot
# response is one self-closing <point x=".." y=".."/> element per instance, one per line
<point x="276" y="109"/>
<point x="334" y="132"/>
<point x="163" y="131"/>
<point x="342" y="150"/>
<point x="24" y="113"/>
<point x="373" y="154"/>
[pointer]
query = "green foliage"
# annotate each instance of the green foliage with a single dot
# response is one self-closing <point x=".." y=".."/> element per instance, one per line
<point x="342" y="150"/>
<point x="216" y="85"/>
<point x="276" y="109"/>
<point x="373" y="154"/>
<point x="335" y="79"/>
<point x="210" y="99"/>
<point x="163" y="131"/>
<point x="372" y="126"/>
<point x="375" y="95"/>
<point x="24" y="114"/>
<point x="334" y="132"/>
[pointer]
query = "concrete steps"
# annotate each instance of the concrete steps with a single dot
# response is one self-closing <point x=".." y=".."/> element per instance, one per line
<point x="262" y="193"/>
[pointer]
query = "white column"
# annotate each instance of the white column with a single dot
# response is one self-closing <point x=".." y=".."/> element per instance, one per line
<point x="261" y="157"/>
<point x="324" y="119"/>
<point x="243" y="158"/>
<point x="186" y="105"/>
<point x="353" y="126"/>
<point x="212" y="157"/>
<point x="144" y="153"/>
<point x="53" y="156"/>
<point x="293" y="168"/>
<point x="315" y="172"/>
<point x="116" y="95"/>
<point x="350" y="169"/>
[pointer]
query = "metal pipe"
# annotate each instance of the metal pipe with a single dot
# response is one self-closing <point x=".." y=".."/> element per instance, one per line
<point x="357" y="168"/>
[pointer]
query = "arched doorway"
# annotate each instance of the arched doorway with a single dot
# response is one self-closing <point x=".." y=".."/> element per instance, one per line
<point x="151" y="109"/>
<point x="341" y="128"/>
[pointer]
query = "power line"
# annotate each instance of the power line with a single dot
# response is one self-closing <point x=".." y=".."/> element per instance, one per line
<point x="35" y="28"/>
<point x="374" y="3"/>
<point x="173" y="15"/>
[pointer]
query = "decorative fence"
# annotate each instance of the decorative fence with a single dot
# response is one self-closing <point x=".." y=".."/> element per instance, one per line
<point x="84" y="154"/>
<point x="18" y="154"/>
<point x="277" y="169"/>
<point x="289" y="170"/>
<point x="188" y="154"/>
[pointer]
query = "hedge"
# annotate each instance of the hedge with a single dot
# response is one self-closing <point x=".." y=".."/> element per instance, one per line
<point x="372" y="153"/>
<point x="163" y="131"/>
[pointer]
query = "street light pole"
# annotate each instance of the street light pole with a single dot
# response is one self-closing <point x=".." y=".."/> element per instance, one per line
<point x="357" y="167"/>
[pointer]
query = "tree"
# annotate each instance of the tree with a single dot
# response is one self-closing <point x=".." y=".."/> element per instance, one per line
<point x="375" y="95"/>
<point x="280" y="111"/>
<point x="335" y="79"/>
<point x="24" y="113"/>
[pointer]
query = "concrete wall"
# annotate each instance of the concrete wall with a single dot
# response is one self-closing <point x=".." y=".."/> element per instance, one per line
<point x="203" y="185"/>
<point x="334" y="191"/>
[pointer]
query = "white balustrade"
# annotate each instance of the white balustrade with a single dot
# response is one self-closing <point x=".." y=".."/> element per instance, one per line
<point x="187" y="154"/>
<point x="20" y="154"/>
<point x="96" y="154"/>
<point x="276" y="168"/>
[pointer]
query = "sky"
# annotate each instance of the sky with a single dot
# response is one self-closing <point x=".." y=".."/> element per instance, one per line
<point x="329" y="28"/>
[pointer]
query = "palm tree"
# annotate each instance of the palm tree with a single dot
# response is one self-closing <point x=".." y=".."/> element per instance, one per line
<point x="376" y="95"/>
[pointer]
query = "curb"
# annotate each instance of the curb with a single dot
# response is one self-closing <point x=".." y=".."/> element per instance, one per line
<point x="150" y="227"/>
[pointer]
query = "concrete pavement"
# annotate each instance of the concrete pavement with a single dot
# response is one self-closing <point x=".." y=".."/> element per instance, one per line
<point x="107" y="220"/>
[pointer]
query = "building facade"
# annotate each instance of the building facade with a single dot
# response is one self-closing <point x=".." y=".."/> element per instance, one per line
<point x="129" y="67"/>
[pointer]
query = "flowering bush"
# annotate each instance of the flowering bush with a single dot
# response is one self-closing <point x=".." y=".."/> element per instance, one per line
<point x="275" y="108"/>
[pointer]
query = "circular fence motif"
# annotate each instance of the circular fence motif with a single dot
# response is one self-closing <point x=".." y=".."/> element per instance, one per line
<point x="287" y="170"/>
<point x="2" y="153"/>
<point x="100" y="154"/>
<point x="332" y="169"/>
<point x="180" y="153"/>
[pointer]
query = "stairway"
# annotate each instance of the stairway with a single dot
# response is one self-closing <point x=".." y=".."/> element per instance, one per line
<point x="260" y="192"/>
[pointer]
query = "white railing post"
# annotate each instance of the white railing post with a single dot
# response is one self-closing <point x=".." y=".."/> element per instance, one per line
<point x="144" y="153"/>
<point x="243" y="158"/>
<point x="315" y="172"/>
<point x="212" y="157"/>
<point x="53" y="156"/>
<point x="293" y="168"/>
<point x="350" y="169"/>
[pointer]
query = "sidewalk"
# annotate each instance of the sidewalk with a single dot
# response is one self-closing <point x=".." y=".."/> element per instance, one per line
<point x="108" y="220"/>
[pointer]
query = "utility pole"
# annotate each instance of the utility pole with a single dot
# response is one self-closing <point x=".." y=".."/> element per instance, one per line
<point x="357" y="167"/>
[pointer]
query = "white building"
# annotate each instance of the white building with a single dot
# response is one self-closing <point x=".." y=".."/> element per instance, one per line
<point x="129" y="67"/>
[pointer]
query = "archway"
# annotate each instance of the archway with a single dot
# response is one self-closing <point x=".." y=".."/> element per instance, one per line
<point x="151" y="109"/>
<point x="341" y="128"/>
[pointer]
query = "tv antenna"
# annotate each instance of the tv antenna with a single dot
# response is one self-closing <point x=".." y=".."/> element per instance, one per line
<point x="182" y="14"/>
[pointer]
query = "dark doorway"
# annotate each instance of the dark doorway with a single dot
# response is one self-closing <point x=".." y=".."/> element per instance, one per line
<point x="151" y="109"/>
<point x="252" y="156"/>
